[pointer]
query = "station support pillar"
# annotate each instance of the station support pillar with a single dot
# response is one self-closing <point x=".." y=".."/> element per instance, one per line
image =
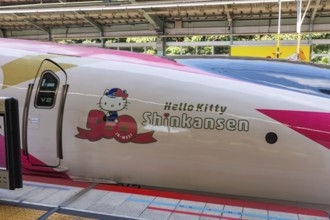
<point x="160" y="46"/>
<point x="2" y="33"/>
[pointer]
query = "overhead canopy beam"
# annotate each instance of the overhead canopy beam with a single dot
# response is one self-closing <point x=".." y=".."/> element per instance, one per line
<point x="95" y="24"/>
<point x="37" y="25"/>
<point x="316" y="7"/>
<point x="120" y="19"/>
<point x="33" y="23"/>
<point x="47" y="30"/>
<point x="138" y="6"/>
<point x="228" y="15"/>
<point x="91" y="22"/>
<point x="154" y="20"/>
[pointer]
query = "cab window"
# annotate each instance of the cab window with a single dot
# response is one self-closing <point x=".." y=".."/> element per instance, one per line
<point x="47" y="90"/>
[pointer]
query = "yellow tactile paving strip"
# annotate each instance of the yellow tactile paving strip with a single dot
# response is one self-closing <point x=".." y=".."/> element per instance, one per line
<point x="19" y="213"/>
<point x="57" y="216"/>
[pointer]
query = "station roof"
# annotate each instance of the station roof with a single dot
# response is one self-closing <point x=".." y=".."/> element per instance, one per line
<point x="40" y="19"/>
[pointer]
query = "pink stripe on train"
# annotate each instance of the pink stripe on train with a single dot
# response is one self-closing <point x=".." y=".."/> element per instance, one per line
<point x="97" y="53"/>
<point x="314" y="125"/>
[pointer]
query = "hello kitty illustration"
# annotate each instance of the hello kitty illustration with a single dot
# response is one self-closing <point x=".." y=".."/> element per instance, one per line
<point x="111" y="102"/>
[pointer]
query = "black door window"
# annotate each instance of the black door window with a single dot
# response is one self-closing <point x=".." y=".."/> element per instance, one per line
<point x="47" y="89"/>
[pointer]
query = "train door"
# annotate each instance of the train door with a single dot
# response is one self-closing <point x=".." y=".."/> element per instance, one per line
<point x="43" y="116"/>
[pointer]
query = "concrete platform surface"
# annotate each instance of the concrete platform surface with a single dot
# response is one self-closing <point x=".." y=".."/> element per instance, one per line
<point x="51" y="198"/>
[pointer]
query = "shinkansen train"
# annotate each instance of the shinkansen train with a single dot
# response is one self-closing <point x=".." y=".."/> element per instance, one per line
<point x="251" y="127"/>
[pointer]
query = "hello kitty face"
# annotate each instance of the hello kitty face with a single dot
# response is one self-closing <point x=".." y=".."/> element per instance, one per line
<point x="113" y="100"/>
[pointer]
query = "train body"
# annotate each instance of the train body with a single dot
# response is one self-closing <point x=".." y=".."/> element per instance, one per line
<point x="103" y="115"/>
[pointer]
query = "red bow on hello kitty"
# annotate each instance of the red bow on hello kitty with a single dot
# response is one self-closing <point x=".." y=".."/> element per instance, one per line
<point x="121" y="93"/>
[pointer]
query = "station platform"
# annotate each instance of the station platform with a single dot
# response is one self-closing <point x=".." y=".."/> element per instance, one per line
<point x="53" y="198"/>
